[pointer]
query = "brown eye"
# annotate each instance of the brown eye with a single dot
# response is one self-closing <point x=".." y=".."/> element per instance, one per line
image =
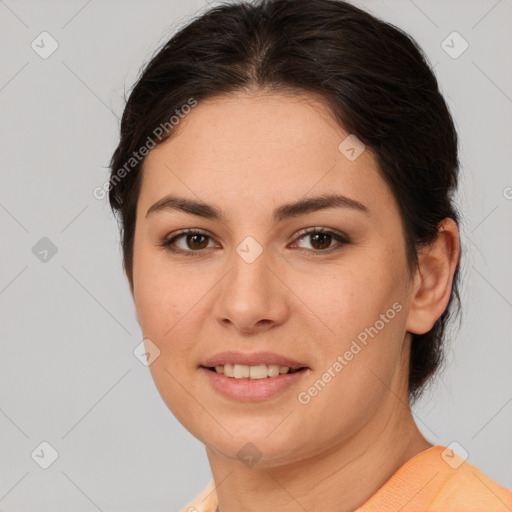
<point x="320" y="240"/>
<point x="189" y="241"/>
<point x="196" y="241"/>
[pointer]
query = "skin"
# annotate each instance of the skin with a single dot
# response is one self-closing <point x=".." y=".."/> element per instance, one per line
<point x="247" y="154"/>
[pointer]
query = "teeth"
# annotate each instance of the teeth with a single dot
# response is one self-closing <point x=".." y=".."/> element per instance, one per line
<point x="258" y="372"/>
<point x="228" y="370"/>
<point x="243" y="371"/>
<point x="273" y="370"/>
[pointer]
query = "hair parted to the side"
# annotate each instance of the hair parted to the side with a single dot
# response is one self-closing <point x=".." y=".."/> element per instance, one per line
<point x="374" y="78"/>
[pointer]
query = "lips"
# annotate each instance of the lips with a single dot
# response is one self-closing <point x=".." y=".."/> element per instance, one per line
<point x="252" y="389"/>
<point x="252" y="377"/>
<point x="256" y="376"/>
<point x="252" y="359"/>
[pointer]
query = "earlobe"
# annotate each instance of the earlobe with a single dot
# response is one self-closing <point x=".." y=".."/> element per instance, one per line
<point x="433" y="279"/>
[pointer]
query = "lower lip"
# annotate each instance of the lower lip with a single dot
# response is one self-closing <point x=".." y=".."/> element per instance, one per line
<point x="249" y="390"/>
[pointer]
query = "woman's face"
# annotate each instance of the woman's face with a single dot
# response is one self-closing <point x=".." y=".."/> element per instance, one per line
<point x="252" y="287"/>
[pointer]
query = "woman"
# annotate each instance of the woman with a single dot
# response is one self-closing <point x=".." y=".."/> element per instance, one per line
<point x="284" y="182"/>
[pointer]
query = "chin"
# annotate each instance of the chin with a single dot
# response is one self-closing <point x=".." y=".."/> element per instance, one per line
<point x="262" y="454"/>
<point x="256" y="443"/>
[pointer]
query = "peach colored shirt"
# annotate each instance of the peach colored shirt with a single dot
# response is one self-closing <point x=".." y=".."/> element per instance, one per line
<point x="435" y="480"/>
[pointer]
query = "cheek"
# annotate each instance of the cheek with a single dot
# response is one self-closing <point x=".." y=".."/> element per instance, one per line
<point x="161" y="297"/>
<point x="360" y="316"/>
<point x="349" y="297"/>
<point x="171" y="306"/>
<point x="359" y="355"/>
<point x="167" y="306"/>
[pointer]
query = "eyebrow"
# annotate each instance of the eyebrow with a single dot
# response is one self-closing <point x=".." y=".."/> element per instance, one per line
<point x="286" y="211"/>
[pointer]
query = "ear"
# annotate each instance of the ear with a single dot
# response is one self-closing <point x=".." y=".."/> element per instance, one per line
<point x="433" y="278"/>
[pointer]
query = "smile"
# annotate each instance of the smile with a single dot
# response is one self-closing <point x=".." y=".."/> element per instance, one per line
<point x="260" y="371"/>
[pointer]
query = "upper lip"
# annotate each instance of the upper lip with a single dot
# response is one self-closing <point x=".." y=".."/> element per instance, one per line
<point x="251" y="359"/>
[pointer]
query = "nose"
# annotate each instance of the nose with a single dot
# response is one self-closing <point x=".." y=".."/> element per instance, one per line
<point x="251" y="298"/>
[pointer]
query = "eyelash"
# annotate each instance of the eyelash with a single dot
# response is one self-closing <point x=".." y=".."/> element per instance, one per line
<point x="340" y="238"/>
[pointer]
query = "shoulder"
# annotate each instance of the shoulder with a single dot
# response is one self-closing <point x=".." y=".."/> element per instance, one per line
<point x="205" y="501"/>
<point x="470" y="489"/>
<point x="439" y="480"/>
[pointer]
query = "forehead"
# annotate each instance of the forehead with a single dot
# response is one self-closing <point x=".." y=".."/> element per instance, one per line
<point x="251" y="125"/>
<point x="261" y="148"/>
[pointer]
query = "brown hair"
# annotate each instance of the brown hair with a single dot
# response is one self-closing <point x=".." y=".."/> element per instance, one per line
<point x="373" y="76"/>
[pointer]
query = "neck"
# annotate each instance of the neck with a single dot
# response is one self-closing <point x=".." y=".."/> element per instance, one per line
<point x="340" y="479"/>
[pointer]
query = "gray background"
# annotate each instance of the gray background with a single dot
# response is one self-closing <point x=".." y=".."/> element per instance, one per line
<point x="68" y="373"/>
